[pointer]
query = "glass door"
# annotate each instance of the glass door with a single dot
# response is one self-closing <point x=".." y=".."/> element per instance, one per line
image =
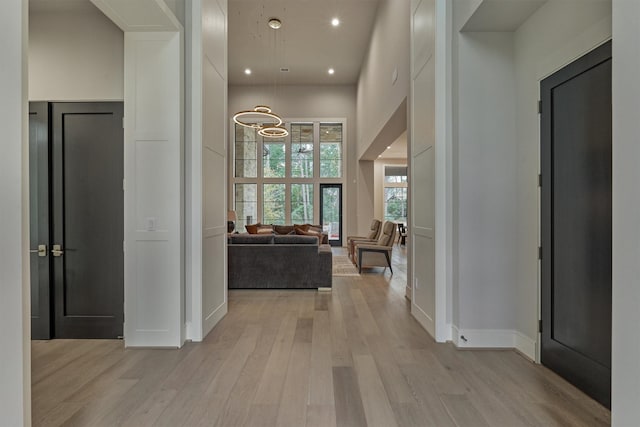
<point x="331" y="212"/>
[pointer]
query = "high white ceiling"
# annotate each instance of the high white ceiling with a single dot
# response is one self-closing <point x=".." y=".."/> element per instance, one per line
<point x="306" y="43"/>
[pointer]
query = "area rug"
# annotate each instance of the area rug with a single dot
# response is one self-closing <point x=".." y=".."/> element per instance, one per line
<point x="342" y="266"/>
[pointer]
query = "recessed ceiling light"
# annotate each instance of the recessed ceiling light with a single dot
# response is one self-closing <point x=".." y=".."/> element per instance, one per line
<point x="247" y="71"/>
<point x="275" y="23"/>
<point x="335" y="22"/>
<point x="331" y="71"/>
<point x="388" y="146"/>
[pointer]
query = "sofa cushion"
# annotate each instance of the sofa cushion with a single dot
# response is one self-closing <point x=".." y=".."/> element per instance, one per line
<point x="250" y="239"/>
<point x="289" y="239"/>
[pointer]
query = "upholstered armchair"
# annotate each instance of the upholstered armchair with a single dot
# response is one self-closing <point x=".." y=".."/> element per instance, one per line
<point x="376" y="254"/>
<point x="372" y="237"/>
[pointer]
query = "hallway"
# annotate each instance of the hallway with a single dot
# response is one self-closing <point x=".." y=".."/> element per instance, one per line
<point x="352" y="357"/>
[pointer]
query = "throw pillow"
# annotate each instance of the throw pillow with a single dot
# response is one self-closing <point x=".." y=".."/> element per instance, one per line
<point x="252" y="228"/>
<point x="303" y="232"/>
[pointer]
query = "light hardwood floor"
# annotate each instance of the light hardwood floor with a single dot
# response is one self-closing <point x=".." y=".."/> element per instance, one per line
<point x="352" y="357"/>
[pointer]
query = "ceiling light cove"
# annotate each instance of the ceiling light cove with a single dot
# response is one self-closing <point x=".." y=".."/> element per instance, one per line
<point x="335" y="22"/>
<point x="331" y="71"/>
<point x="247" y="71"/>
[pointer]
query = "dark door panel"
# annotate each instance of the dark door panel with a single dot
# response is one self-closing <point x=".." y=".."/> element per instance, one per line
<point x="39" y="220"/>
<point x="87" y="173"/>
<point x="576" y="223"/>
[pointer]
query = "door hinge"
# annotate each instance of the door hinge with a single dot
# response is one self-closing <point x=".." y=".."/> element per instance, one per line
<point x="123" y="246"/>
<point x="540" y="326"/>
<point x="124" y="184"/>
<point x="540" y="252"/>
<point x="123" y="122"/>
<point x="539" y="107"/>
<point x="540" y="180"/>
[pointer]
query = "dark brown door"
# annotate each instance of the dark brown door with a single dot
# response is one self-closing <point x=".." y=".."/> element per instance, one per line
<point x="576" y="223"/>
<point x="39" y="220"/>
<point x="87" y="219"/>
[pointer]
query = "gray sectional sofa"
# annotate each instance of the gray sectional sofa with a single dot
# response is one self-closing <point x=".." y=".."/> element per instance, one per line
<point x="268" y="261"/>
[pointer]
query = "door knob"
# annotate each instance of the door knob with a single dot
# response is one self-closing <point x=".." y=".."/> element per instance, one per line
<point x="41" y="251"/>
<point x="57" y="250"/>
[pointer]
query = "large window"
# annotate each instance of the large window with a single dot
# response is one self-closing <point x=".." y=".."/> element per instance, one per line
<point x="273" y="159"/>
<point x="246" y="201"/>
<point x="331" y="150"/>
<point x="246" y="162"/>
<point x="273" y="196"/>
<point x="301" y="203"/>
<point x="302" y="150"/>
<point x="395" y="193"/>
<point x="277" y="181"/>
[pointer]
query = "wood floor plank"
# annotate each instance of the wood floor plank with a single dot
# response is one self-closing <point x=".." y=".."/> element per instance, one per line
<point x="348" y="400"/>
<point x="293" y="408"/>
<point x="377" y="408"/>
<point x="270" y="387"/>
<point x="321" y="416"/>
<point x="209" y="405"/>
<point x="321" y="374"/>
<point x="462" y="411"/>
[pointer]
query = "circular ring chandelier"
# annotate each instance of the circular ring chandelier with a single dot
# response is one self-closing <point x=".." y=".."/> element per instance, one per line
<point x="273" y="131"/>
<point x="260" y="112"/>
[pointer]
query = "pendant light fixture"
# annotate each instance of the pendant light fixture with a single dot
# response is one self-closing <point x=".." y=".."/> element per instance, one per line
<point x="266" y="122"/>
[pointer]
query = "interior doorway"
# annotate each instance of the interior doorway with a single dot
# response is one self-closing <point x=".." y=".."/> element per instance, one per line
<point x="77" y="221"/>
<point x="576" y="223"/>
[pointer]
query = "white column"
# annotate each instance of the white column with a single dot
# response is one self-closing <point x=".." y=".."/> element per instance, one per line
<point x="154" y="276"/>
<point x="626" y="214"/>
<point x="15" y="336"/>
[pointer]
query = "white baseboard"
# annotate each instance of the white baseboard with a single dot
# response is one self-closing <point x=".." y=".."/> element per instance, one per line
<point x="407" y="292"/>
<point x="494" y="338"/>
<point x="213" y="318"/>
<point x="525" y="345"/>
<point x="424" y="319"/>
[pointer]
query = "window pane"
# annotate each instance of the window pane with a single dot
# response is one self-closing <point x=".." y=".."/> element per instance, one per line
<point x="273" y="204"/>
<point x="330" y="150"/>
<point x="246" y="199"/>
<point x="246" y="164"/>
<point x="273" y="160"/>
<point x="302" y="203"/>
<point x="331" y="132"/>
<point x="395" y="204"/>
<point x="302" y="150"/>
<point x="330" y="160"/>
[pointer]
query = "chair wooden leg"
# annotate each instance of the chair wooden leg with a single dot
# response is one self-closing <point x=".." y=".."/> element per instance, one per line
<point x="386" y="254"/>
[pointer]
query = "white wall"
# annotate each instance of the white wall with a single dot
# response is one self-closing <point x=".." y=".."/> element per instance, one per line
<point x="331" y="101"/>
<point x="75" y="55"/>
<point x="486" y="183"/>
<point x="378" y="96"/>
<point x="626" y="212"/>
<point x="555" y="35"/>
<point x="15" y="325"/>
